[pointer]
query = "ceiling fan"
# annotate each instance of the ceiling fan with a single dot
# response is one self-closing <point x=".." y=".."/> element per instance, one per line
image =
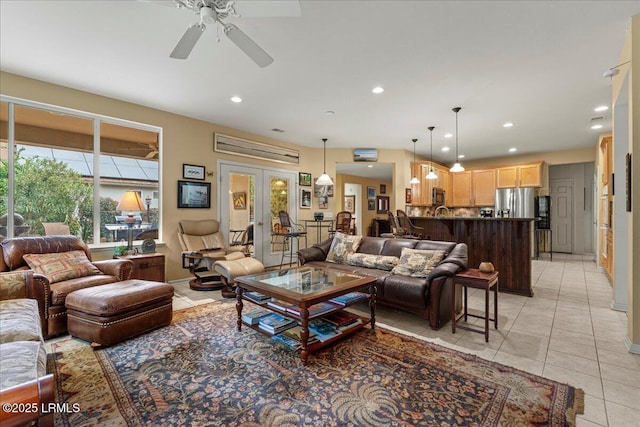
<point x="212" y="12"/>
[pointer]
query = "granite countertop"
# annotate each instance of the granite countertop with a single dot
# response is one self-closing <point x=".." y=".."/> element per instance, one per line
<point x="467" y="218"/>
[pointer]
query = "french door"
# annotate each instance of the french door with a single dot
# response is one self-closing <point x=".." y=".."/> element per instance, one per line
<point x="254" y="195"/>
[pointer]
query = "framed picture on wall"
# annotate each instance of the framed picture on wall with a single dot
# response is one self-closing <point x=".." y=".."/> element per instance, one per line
<point x="240" y="200"/>
<point x="304" y="179"/>
<point x="371" y="205"/>
<point x="194" y="194"/>
<point x="407" y="195"/>
<point x="305" y="198"/>
<point x="371" y="193"/>
<point x="350" y="203"/>
<point x="383" y="188"/>
<point x="322" y="190"/>
<point x="382" y="203"/>
<point x="192" y="172"/>
<point x="323" y="202"/>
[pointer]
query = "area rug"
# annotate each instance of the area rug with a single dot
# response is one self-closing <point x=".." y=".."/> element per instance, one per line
<point x="201" y="371"/>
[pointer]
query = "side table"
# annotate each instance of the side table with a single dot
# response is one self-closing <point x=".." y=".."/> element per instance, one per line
<point x="474" y="278"/>
<point x="147" y="266"/>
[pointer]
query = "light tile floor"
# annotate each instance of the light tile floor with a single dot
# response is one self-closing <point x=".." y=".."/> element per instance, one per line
<point x="566" y="332"/>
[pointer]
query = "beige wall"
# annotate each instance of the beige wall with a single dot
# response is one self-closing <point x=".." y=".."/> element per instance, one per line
<point x="631" y="52"/>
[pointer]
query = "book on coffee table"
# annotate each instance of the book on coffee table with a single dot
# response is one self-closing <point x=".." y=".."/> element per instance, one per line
<point x="315" y="309"/>
<point x="253" y="317"/>
<point x="349" y="298"/>
<point x="275" y="323"/>
<point x="294" y="333"/>
<point x="341" y="318"/>
<point x="286" y="341"/>
<point x="323" y="329"/>
<point x="257" y="297"/>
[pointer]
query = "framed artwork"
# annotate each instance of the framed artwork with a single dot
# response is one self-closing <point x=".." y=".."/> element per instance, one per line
<point x="305" y="198"/>
<point x="323" y="202"/>
<point x="322" y="190"/>
<point x="365" y="155"/>
<point x="192" y="172"/>
<point x="239" y="200"/>
<point x="371" y="205"/>
<point x="350" y="203"/>
<point x="383" y="188"/>
<point x="382" y="203"/>
<point x="194" y="194"/>
<point x="304" y="179"/>
<point x="407" y="195"/>
<point x="371" y="192"/>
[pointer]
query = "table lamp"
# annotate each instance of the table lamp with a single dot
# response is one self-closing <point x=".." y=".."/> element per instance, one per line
<point x="131" y="202"/>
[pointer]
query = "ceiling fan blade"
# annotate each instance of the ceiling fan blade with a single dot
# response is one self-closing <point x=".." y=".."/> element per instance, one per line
<point x="248" y="46"/>
<point x="187" y="42"/>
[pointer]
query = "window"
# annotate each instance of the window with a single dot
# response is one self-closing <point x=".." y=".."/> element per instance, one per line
<point x="73" y="167"/>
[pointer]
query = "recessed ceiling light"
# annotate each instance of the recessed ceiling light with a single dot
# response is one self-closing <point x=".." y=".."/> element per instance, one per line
<point x="461" y="156"/>
<point x="596" y="127"/>
<point x="513" y="149"/>
<point x="601" y="108"/>
<point x="448" y="135"/>
<point x="236" y="99"/>
<point x="507" y="125"/>
<point x="369" y="166"/>
<point x="445" y="149"/>
<point x="329" y="113"/>
<point x="377" y="89"/>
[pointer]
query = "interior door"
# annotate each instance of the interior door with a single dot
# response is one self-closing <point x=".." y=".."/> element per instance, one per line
<point x="264" y="192"/>
<point x="562" y="215"/>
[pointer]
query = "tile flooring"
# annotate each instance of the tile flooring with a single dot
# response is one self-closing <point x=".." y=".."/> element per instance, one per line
<point x="566" y="332"/>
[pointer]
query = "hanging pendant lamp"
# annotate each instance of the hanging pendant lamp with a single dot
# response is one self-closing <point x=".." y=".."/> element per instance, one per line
<point x="415" y="179"/>
<point x="324" y="179"/>
<point x="431" y="174"/>
<point x="457" y="167"/>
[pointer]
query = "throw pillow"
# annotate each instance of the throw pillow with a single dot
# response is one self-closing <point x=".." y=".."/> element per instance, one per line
<point x="417" y="262"/>
<point x="62" y="265"/>
<point x="342" y="246"/>
<point x="380" y="262"/>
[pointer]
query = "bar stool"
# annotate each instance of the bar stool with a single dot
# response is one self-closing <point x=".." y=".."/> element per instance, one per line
<point x="474" y="278"/>
<point x="289" y="231"/>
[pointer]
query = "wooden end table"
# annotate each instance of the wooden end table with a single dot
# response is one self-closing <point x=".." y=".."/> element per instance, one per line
<point x="474" y="278"/>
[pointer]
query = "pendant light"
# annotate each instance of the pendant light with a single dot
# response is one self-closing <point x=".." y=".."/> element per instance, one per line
<point x="431" y="174"/>
<point x="415" y="179"/>
<point x="324" y="179"/>
<point x="457" y="167"/>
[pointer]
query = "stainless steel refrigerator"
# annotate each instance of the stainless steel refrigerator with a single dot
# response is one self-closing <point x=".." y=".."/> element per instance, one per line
<point x="515" y="202"/>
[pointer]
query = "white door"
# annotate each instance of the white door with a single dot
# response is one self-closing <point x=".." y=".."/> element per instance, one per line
<point x="250" y="194"/>
<point x="562" y="215"/>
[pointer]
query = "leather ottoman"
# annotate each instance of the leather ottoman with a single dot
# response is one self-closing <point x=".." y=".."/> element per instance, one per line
<point x="108" y="314"/>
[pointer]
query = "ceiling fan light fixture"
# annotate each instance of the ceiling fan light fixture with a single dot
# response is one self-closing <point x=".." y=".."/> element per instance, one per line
<point x="324" y="179"/>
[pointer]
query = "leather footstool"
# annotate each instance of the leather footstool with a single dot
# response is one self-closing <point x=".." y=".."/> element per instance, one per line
<point x="109" y="314"/>
<point x="229" y="270"/>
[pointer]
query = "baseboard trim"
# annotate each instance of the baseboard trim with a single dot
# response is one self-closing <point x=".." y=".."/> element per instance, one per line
<point x="633" y="348"/>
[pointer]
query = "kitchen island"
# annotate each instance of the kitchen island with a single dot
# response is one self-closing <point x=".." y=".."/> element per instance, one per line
<point x="505" y="242"/>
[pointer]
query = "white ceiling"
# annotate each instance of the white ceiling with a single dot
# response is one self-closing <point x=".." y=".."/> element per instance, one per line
<point x="538" y="64"/>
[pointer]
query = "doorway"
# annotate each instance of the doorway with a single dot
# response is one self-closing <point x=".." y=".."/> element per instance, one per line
<point x="254" y="195"/>
<point x="562" y="215"/>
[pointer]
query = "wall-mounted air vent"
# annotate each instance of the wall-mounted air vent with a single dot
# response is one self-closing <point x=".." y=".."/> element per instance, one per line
<point x="257" y="150"/>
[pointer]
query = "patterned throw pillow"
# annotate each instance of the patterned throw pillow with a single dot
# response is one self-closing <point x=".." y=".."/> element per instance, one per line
<point x="342" y="245"/>
<point x="380" y="262"/>
<point x="418" y="263"/>
<point x="61" y="266"/>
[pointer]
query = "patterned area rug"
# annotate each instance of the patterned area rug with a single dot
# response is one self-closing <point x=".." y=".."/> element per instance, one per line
<point x="201" y="371"/>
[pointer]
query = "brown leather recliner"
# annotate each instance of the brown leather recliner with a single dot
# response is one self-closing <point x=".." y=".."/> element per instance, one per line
<point x="51" y="296"/>
<point x="202" y="245"/>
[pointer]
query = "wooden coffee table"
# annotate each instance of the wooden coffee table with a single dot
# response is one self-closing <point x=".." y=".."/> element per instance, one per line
<point x="304" y="287"/>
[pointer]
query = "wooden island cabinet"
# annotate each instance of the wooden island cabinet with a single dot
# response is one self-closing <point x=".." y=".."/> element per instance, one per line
<point x="505" y="242"/>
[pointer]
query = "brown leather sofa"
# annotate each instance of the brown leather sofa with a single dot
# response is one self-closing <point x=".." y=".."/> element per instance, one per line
<point x="51" y="296"/>
<point x="428" y="297"/>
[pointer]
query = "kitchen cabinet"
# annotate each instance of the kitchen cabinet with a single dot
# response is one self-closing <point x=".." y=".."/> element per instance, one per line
<point x="527" y="175"/>
<point x="461" y="189"/>
<point x="484" y="187"/>
<point x="417" y="190"/>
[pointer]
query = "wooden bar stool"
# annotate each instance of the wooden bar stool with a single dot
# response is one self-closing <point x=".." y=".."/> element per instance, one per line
<point x="474" y="278"/>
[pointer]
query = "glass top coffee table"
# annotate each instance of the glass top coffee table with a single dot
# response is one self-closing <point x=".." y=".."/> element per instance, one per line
<point x="303" y="288"/>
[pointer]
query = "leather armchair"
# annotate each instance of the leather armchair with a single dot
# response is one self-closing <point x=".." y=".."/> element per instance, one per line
<point x="51" y="296"/>
<point x="202" y="245"/>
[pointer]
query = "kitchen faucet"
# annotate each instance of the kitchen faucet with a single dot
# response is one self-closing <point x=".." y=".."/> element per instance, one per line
<point x="437" y="211"/>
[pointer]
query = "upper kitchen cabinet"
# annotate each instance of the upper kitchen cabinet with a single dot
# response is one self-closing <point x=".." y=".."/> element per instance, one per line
<point x="525" y="175"/>
<point x="462" y="190"/>
<point x="418" y="191"/>
<point x="484" y="187"/>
